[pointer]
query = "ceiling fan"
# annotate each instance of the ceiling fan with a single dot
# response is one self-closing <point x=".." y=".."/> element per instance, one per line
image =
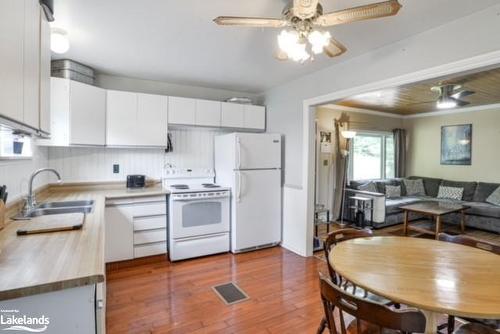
<point x="450" y="96"/>
<point x="302" y="21"/>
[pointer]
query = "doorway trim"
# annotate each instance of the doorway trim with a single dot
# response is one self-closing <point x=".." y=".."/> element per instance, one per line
<point x="488" y="60"/>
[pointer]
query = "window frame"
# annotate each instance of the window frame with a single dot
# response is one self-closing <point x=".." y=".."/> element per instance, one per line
<point x="382" y="135"/>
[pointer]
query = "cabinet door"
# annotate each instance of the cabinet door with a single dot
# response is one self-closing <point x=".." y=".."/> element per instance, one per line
<point x="233" y="115"/>
<point x="121" y="121"/>
<point x="31" y="58"/>
<point x="44" y="73"/>
<point x="181" y="111"/>
<point x="151" y="120"/>
<point x="87" y="114"/>
<point x="59" y="112"/>
<point x="255" y="117"/>
<point x="119" y="234"/>
<point x="208" y="113"/>
<point x="11" y="64"/>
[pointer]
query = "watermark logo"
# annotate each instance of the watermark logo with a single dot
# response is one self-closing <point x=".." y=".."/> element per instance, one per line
<point x="12" y="320"/>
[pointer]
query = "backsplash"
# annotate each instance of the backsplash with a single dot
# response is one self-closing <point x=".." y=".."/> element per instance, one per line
<point x="16" y="173"/>
<point x="193" y="148"/>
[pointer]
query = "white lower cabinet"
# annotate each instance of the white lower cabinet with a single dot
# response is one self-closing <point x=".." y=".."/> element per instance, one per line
<point x="135" y="227"/>
<point x="75" y="310"/>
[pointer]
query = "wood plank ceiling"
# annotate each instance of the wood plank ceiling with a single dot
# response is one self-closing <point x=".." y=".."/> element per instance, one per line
<point x="418" y="98"/>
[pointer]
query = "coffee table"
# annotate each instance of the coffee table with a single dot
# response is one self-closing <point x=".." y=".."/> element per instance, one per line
<point x="436" y="210"/>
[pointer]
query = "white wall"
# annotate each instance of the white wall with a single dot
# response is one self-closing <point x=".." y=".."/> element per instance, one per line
<point x="15" y="174"/>
<point x="193" y="148"/>
<point x="285" y="104"/>
<point x="424" y="154"/>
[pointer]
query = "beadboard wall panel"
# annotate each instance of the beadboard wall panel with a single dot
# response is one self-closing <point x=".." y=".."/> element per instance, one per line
<point x="15" y="174"/>
<point x="193" y="148"/>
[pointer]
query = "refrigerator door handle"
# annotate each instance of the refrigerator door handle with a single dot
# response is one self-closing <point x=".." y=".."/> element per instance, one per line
<point x="239" y="152"/>
<point x="238" y="192"/>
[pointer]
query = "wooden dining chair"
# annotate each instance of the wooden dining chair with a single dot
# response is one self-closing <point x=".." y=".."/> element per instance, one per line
<point x="475" y="328"/>
<point x="331" y="241"/>
<point x="480" y="244"/>
<point x="369" y="317"/>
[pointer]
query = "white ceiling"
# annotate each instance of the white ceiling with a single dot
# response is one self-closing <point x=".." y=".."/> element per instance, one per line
<point x="176" y="40"/>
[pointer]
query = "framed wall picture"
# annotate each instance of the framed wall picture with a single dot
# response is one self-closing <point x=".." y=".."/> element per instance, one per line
<point x="456" y="144"/>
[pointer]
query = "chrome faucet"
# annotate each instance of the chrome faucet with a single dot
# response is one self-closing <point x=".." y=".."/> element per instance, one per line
<point x="30" y="199"/>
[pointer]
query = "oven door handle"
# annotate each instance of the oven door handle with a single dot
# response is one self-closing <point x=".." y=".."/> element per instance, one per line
<point x="197" y="199"/>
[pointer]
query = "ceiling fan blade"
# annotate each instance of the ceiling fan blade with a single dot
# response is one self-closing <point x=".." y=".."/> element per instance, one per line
<point x="460" y="103"/>
<point x="257" y="22"/>
<point x="334" y="48"/>
<point x="462" y="94"/>
<point x="305" y="9"/>
<point x="373" y="11"/>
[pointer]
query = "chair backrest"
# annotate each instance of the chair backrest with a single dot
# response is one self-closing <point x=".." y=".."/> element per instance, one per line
<point x="472" y="242"/>
<point x="338" y="236"/>
<point x="377" y="316"/>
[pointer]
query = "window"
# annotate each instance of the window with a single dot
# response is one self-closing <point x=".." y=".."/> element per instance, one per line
<point x="372" y="156"/>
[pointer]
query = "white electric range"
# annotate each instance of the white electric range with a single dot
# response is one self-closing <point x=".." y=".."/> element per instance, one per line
<point x="199" y="214"/>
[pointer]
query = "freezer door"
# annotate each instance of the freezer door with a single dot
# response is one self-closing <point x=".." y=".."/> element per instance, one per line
<point x="256" y="215"/>
<point x="258" y="151"/>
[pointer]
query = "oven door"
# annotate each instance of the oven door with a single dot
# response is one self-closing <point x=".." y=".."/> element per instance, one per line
<point x="199" y="216"/>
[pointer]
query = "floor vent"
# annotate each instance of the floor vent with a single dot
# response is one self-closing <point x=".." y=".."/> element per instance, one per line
<point x="230" y="293"/>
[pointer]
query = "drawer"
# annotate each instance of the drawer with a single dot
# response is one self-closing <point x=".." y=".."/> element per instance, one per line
<point x="136" y="200"/>
<point x="150" y="249"/>
<point x="150" y="222"/>
<point x="150" y="236"/>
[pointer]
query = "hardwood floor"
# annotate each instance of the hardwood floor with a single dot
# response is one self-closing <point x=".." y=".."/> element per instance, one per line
<point x="161" y="297"/>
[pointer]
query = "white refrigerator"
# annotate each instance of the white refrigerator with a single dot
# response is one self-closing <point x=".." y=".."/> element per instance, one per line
<point x="250" y="164"/>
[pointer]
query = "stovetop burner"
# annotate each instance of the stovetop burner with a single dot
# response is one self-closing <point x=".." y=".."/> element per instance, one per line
<point x="210" y="185"/>
<point x="179" y="186"/>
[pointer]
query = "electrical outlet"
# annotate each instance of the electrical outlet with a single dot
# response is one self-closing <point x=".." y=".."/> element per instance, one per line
<point x="116" y="169"/>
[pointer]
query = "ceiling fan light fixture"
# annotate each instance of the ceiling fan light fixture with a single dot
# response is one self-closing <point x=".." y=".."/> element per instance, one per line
<point x="319" y="40"/>
<point x="290" y="42"/>
<point x="446" y="103"/>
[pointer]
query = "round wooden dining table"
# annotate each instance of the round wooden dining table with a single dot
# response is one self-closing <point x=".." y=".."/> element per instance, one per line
<point x="434" y="276"/>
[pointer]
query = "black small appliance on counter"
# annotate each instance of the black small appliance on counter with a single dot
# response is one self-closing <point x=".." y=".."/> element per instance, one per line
<point x="136" y="181"/>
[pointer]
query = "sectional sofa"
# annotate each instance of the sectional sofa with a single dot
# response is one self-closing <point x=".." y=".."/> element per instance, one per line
<point x="387" y="212"/>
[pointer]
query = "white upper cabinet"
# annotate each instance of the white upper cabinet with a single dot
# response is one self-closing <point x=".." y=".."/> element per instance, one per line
<point x="121" y="118"/>
<point x="31" y="58"/>
<point x="255" y="117"/>
<point x="181" y="111"/>
<point x="208" y="113"/>
<point x="233" y="115"/>
<point x="136" y="119"/>
<point x="78" y="114"/>
<point x="87" y="114"/>
<point x="151" y="120"/>
<point x="44" y="73"/>
<point x="11" y="64"/>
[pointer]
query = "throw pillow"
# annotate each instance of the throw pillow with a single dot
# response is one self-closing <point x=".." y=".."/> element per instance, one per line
<point x="370" y="186"/>
<point x="392" y="191"/>
<point x="414" y="187"/>
<point x="450" y="193"/>
<point x="494" y="198"/>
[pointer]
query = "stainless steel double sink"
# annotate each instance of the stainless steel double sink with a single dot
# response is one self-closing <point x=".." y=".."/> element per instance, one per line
<point x="55" y="208"/>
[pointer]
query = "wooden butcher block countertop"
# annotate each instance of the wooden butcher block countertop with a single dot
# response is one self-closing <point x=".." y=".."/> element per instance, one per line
<point x="41" y="263"/>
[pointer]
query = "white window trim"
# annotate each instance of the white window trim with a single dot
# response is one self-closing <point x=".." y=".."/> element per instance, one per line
<point x="382" y="135"/>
